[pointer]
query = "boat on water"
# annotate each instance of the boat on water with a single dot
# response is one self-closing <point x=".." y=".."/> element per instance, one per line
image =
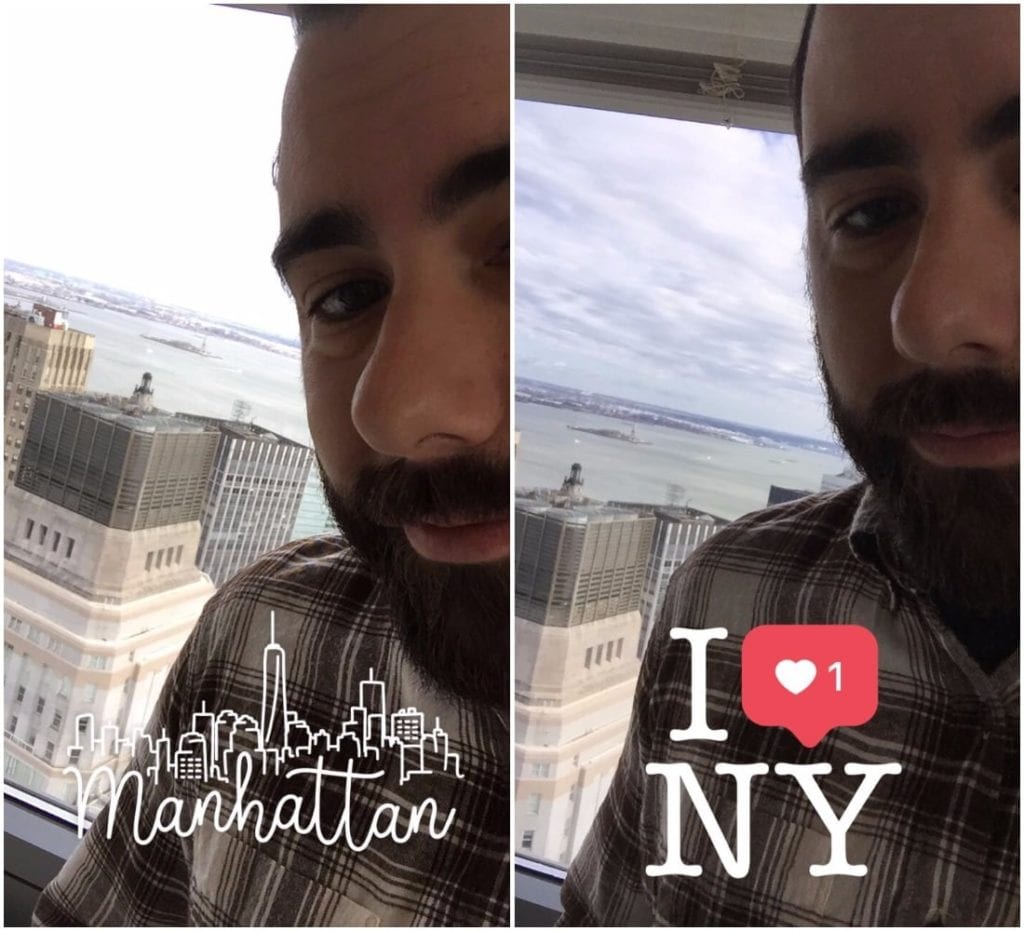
<point x="183" y="345"/>
<point x="620" y="435"/>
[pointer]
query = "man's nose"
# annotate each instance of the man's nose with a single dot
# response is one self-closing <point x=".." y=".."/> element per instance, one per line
<point x="958" y="304"/>
<point x="436" y="383"/>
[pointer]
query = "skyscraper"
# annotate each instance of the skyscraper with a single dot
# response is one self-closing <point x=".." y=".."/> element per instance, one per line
<point x="678" y="531"/>
<point x="41" y="353"/>
<point x="274" y="704"/>
<point x="578" y="579"/>
<point x="252" y="499"/>
<point x="101" y="587"/>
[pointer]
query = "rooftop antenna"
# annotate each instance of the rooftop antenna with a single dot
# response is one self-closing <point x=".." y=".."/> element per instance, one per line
<point x="240" y="411"/>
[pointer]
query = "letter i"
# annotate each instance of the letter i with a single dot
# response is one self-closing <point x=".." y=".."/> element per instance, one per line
<point x="698" y="640"/>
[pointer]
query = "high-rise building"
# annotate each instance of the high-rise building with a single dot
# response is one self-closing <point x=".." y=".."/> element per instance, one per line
<point x="844" y="479"/>
<point x="777" y="494"/>
<point x="678" y="531"/>
<point x="252" y="500"/>
<point x="578" y="578"/>
<point x="313" y="516"/>
<point x="101" y="587"/>
<point x="41" y="353"/>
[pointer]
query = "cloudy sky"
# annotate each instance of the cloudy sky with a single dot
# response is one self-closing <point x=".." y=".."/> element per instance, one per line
<point x="139" y="141"/>
<point x="662" y="261"/>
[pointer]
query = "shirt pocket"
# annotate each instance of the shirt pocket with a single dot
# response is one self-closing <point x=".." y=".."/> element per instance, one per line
<point x="233" y="883"/>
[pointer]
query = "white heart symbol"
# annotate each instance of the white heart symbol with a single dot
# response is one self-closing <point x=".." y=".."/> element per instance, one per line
<point x="795" y="675"/>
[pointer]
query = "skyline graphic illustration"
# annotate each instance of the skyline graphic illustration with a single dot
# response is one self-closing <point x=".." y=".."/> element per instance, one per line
<point x="210" y="749"/>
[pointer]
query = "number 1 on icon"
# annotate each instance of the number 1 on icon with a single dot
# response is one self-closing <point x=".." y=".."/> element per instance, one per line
<point x="837" y="668"/>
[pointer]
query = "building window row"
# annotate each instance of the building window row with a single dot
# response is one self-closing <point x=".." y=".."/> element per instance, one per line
<point x="603" y="653"/>
<point x="55" y="539"/>
<point x="156" y="559"/>
<point x="64" y="650"/>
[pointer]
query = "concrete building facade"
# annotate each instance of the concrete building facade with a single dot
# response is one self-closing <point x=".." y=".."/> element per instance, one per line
<point x="41" y="353"/>
<point x="101" y="586"/>
<point x="579" y="576"/>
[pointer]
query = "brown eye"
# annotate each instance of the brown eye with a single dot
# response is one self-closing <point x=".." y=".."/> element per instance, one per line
<point x="873" y="217"/>
<point x="348" y="300"/>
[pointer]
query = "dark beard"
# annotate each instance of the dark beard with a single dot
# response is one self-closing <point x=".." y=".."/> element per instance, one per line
<point x="956" y="530"/>
<point x="452" y="620"/>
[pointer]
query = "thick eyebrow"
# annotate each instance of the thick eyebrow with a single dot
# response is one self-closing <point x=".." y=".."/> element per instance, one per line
<point x="335" y="226"/>
<point x="326" y="228"/>
<point x="872" y="148"/>
<point x="466" y="180"/>
<point x="1001" y="124"/>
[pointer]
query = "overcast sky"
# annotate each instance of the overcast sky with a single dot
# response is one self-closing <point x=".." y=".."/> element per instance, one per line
<point x="138" y="150"/>
<point x="662" y="261"/>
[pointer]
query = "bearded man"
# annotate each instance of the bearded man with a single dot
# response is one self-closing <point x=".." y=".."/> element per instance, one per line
<point x="907" y="120"/>
<point x="349" y="695"/>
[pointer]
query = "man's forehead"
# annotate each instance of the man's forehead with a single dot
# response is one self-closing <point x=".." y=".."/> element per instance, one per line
<point x="405" y="88"/>
<point x="900" y="68"/>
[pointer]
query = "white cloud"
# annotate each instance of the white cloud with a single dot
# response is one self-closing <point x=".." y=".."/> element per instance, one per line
<point x="662" y="261"/>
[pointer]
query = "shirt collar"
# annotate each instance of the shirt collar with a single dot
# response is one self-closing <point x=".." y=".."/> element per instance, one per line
<point x="871" y="542"/>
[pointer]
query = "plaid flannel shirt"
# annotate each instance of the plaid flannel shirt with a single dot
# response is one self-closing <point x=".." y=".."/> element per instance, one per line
<point x="333" y="624"/>
<point x="940" y="839"/>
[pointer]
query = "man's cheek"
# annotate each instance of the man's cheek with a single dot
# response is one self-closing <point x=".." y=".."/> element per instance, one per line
<point x="329" y="390"/>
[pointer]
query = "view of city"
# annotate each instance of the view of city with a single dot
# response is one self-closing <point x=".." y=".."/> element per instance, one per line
<point x="122" y="517"/>
<point x="666" y="385"/>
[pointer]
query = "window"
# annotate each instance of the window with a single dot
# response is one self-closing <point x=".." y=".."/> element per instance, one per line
<point x="40" y="705"/>
<point x="533" y="804"/>
<point x="20" y="696"/>
<point x="58" y="720"/>
<point x="177" y="555"/>
<point x="83" y="724"/>
<point x="737" y="427"/>
<point x="159" y="558"/>
<point x="12" y="724"/>
<point x="42" y="533"/>
<point x="149" y="561"/>
<point x="259" y="49"/>
<point x="539" y="770"/>
<point x="527" y="843"/>
<point x="73" y="754"/>
<point x="50" y="747"/>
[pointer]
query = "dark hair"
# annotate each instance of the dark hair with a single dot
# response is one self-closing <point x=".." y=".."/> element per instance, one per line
<point x="796" y="75"/>
<point x="307" y="15"/>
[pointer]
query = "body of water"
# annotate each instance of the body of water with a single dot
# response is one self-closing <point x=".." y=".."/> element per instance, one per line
<point x="725" y="478"/>
<point x="715" y="475"/>
<point x="270" y="383"/>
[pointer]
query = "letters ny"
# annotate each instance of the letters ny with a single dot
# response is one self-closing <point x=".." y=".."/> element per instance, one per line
<point x="680" y="777"/>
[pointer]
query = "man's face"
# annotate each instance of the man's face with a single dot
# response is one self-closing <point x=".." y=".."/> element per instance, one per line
<point x="394" y="204"/>
<point x="911" y="162"/>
